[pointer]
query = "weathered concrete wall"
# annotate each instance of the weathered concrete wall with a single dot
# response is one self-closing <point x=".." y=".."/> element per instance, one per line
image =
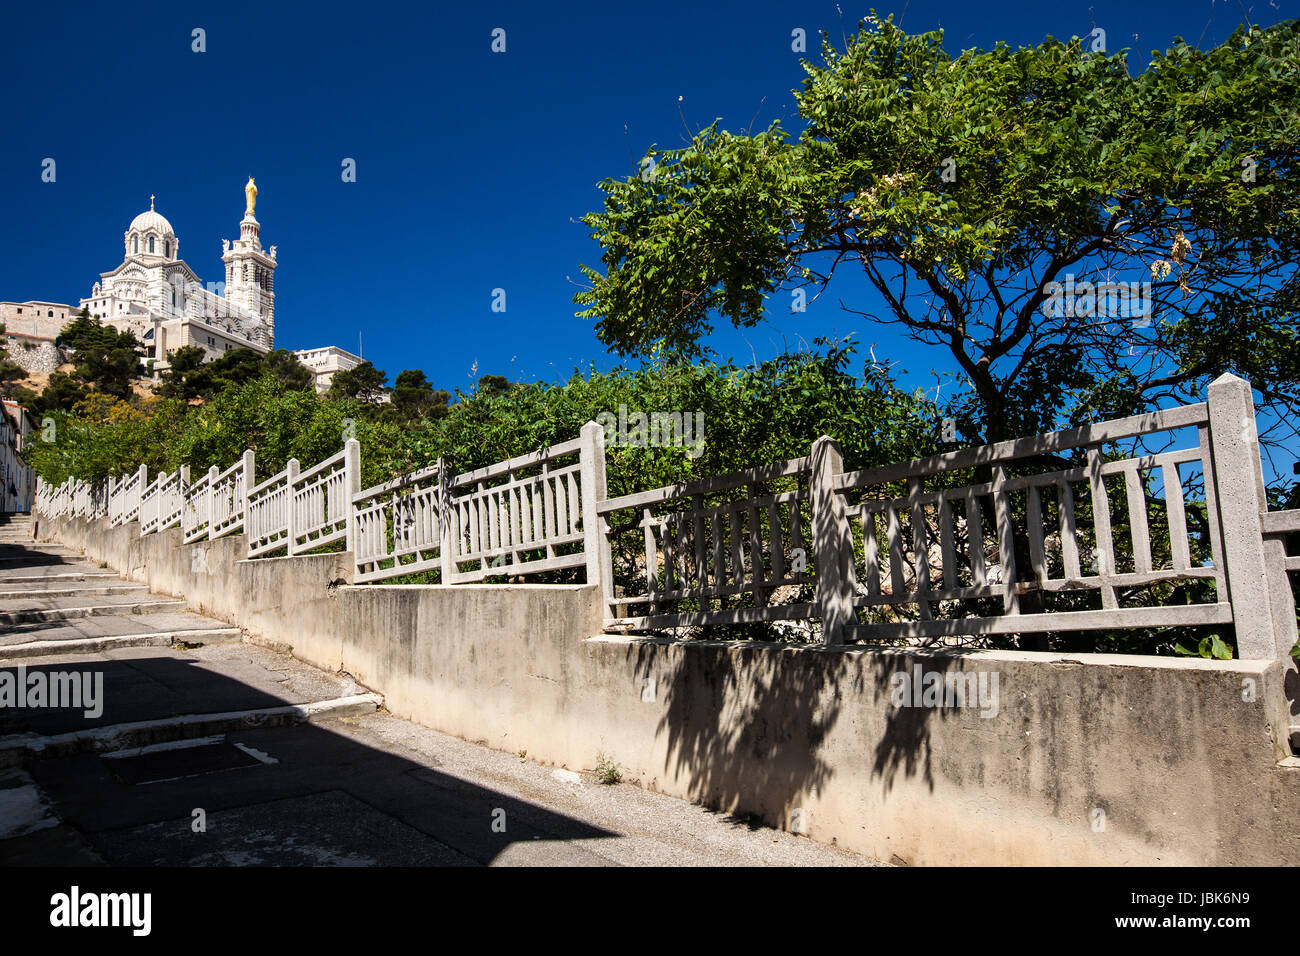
<point x="201" y="573"/>
<point x="1088" y="759"/>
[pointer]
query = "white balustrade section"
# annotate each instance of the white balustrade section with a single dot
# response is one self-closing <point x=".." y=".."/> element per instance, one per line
<point x="198" y="508"/>
<point x="149" y="504"/>
<point x="267" y="520"/>
<point x="399" y="526"/>
<point x="1048" y="533"/>
<point x="228" y="498"/>
<point x="321" y="500"/>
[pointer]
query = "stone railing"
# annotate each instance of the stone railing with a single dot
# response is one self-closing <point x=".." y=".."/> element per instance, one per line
<point x="1019" y="537"/>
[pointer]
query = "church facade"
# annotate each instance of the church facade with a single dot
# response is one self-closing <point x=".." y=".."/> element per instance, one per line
<point x="155" y="294"/>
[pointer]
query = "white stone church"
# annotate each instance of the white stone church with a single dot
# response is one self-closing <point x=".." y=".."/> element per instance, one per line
<point x="156" y="295"/>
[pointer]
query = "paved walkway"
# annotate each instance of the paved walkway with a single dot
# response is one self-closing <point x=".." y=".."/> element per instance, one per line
<point x="209" y="750"/>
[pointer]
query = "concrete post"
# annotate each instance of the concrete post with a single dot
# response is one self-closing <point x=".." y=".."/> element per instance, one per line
<point x="212" y="498"/>
<point x="250" y="471"/>
<point x="832" y="543"/>
<point x="159" y="479"/>
<point x="1239" y="484"/>
<point x="182" y="488"/>
<point x="351" y="485"/>
<point x="447" y="542"/>
<point x="600" y="566"/>
<point x="291" y="512"/>
<point x="143" y="474"/>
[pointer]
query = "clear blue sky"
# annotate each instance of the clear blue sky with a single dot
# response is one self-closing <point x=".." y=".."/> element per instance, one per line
<point x="472" y="167"/>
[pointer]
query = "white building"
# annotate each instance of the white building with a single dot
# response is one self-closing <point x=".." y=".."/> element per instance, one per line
<point x="326" y="363"/>
<point x="156" y="295"/>
<point x="17" y="481"/>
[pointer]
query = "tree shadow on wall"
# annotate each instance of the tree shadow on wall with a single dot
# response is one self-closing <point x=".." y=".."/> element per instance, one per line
<point x="744" y="721"/>
<point x="747" y="723"/>
<point x="905" y="744"/>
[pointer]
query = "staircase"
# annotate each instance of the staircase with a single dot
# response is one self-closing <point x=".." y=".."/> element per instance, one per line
<point x="52" y="600"/>
<point x="178" y="694"/>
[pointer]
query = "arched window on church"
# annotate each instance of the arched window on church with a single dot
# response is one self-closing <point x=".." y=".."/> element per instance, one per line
<point x="151" y="243"/>
<point x="135" y="244"/>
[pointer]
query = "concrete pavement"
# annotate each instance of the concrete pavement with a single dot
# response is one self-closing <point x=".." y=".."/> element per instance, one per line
<point x="213" y="751"/>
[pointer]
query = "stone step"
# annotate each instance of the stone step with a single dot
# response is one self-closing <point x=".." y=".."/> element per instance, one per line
<point x="95" y="645"/>
<point x="179" y="623"/>
<point x="62" y="574"/>
<point x="38" y="560"/>
<point x="31" y="557"/>
<point x="31" y="615"/>
<point x="18" y="549"/>
<point x="42" y="589"/>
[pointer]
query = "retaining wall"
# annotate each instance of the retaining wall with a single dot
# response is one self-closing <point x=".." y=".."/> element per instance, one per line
<point x="1086" y="759"/>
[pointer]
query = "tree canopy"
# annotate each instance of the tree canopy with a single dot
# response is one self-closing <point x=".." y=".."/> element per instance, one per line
<point x="971" y="190"/>
<point x="364" y="383"/>
<point x="188" y="376"/>
<point x="104" y="357"/>
<point x="413" y="394"/>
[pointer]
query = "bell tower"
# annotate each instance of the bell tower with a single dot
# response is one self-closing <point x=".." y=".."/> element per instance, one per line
<point x="250" y="272"/>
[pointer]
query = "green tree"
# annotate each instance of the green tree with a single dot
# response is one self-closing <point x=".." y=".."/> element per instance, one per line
<point x="190" y="376"/>
<point x="83" y="331"/>
<point x="290" y="372"/>
<point x="110" y="369"/>
<point x="964" y="187"/>
<point x="103" y="356"/>
<point x="185" y="377"/>
<point x="493" y="384"/>
<point x="62" y="392"/>
<point x="234" y="368"/>
<point x="413" y="395"/>
<point x="364" y="383"/>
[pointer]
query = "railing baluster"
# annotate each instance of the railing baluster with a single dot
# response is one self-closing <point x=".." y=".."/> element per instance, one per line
<point x="1101" y="522"/>
<point x="871" y="552"/>
<point x="1069" y="534"/>
<point x="1006" y="544"/>
<point x="920" y="547"/>
<point x="1177" y="515"/>
<point x="897" y="585"/>
<point x="946" y="543"/>
<point x="1137" y="516"/>
<point x="975" y="541"/>
<point x="1034" y="521"/>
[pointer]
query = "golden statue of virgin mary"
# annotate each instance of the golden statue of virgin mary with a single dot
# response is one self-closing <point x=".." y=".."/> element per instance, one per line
<point x="250" y="192"/>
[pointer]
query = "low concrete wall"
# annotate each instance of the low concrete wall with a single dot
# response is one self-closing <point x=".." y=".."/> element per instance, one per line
<point x="1086" y="759"/>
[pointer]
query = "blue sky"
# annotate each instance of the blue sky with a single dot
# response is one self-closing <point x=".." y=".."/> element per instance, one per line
<point x="472" y="166"/>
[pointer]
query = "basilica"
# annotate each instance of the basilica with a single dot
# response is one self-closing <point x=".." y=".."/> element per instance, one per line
<point x="156" y="295"/>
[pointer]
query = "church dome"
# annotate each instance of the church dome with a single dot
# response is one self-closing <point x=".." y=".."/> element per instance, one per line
<point x="150" y="221"/>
